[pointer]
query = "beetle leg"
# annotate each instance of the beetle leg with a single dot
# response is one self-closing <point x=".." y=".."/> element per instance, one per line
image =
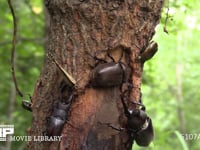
<point x="99" y="59"/>
<point x="29" y="95"/>
<point x="115" y="128"/>
<point x="129" y="143"/>
<point x="126" y="112"/>
<point x="96" y="58"/>
<point x="123" y="102"/>
<point x="142" y="106"/>
<point x="112" y="126"/>
<point x="123" y="72"/>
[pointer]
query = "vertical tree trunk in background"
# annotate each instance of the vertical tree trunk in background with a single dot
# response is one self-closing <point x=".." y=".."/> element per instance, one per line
<point x="179" y="97"/>
<point x="77" y="31"/>
<point x="179" y="93"/>
<point x="11" y="110"/>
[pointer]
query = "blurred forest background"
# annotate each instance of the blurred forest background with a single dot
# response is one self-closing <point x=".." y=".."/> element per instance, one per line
<point x="170" y="80"/>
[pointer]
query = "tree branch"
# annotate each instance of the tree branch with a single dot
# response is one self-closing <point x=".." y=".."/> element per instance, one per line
<point x="166" y="19"/>
<point x="13" y="48"/>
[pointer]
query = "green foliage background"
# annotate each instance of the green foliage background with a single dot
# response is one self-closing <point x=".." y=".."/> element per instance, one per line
<point x="177" y="50"/>
<point x="29" y="58"/>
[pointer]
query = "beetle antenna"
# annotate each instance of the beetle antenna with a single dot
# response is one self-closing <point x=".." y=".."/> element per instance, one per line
<point x="111" y="126"/>
<point x="126" y="112"/>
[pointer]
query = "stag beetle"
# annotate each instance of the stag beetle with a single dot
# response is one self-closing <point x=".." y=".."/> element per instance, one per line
<point x="58" y="117"/>
<point x="109" y="74"/>
<point x="139" y="125"/>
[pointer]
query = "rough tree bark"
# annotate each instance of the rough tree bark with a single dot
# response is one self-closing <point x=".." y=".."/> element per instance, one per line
<point x="77" y="31"/>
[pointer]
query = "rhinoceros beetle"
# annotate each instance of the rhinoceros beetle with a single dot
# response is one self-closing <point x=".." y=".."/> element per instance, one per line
<point x="139" y="125"/>
<point x="146" y="134"/>
<point x="58" y="117"/>
<point x="109" y="74"/>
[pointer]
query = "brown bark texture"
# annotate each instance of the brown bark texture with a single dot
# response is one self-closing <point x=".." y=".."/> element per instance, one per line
<point x="78" y="31"/>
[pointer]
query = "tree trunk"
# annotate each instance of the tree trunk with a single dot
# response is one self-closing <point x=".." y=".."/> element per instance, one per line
<point x="11" y="111"/>
<point x="79" y="30"/>
<point x="179" y="92"/>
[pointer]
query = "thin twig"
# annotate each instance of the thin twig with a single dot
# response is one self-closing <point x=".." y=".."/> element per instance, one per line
<point x="13" y="48"/>
<point x="166" y="19"/>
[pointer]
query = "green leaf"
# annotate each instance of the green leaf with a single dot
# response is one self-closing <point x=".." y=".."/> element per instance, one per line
<point x="181" y="140"/>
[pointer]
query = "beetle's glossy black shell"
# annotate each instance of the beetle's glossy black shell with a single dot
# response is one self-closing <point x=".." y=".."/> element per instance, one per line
<point x="57" y="119"/>
<point x="55" y="126"/>
<point x="27" y="105"/>
<point x="137" y="119"/>
<point x="109" y="74"/>
<point x="145" y="136"/>
<point x="59" y="113"/>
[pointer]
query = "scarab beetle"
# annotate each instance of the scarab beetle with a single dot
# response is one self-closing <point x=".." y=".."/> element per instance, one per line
<point x="27" y="105"/>
<point x="58" y="117"/>
<point x="148" y="52"/>
<point x="146" y="134"/>
<point x="139" y="125"/>
<point x="109" y="74"/>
